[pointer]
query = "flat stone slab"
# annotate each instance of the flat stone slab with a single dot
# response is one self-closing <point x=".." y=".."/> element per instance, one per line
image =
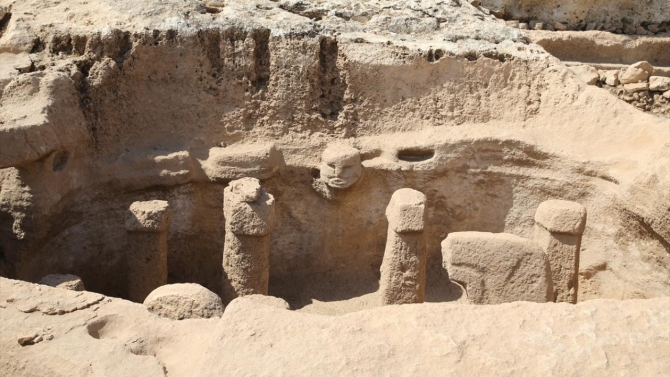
<point x="561" y="216"/>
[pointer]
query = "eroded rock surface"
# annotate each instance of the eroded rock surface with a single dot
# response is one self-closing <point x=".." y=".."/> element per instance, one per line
<point x="184" y="301"/>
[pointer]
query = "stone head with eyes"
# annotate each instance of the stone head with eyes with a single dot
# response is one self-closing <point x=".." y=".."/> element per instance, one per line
<point x="340" y="166"/>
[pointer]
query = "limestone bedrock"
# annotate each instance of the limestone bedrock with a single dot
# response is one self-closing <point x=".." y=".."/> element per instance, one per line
<point x="244" y="217"/>
<point x="561" y="216"/>
<point x="340" y="166"/>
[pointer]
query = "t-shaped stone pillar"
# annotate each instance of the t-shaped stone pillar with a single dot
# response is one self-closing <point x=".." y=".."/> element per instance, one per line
<point x="147" y="269"/>
<point x="403" y="270"/>
<point x="249" y="216"/>
<point x="559" y="225"/>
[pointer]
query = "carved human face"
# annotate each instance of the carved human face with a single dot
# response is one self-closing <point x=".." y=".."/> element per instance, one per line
<point x="340" y="166"/>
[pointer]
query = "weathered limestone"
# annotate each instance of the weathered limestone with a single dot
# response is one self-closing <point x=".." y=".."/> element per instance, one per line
<point x="340" y="166"/>
<point x="586" y="73"/>
<point x="259" y="160"/>
<point x="70" y="282"/>
<point x="497" y="267"/>
<point x="403" y="269"/>
<point x="637" y="72"/>
<point x="146" y="257"/>
<point x="659" y="83"/>
<point x="184" y="301"/>
<point x="249" y="217"/>
<point x="559" y="225"/>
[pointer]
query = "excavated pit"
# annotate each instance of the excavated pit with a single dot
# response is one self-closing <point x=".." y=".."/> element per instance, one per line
<point x="485" y="131"/>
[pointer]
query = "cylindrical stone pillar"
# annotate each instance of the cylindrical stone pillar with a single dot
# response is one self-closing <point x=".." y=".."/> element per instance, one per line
<point x="559" y="225"/>
<point x="249" y="217"/>
<point x="146" y="257"/>
<point x="403" y="269"/>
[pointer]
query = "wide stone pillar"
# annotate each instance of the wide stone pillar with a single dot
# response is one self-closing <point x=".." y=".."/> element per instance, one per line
<point x="559" y="225"/>
<point x="403" y="269"/>
<point x="146" y="257"/>
<point x="249" y="218"/>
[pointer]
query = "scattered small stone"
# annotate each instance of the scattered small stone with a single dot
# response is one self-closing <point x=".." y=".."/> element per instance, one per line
<point x="586" y="73"/>
<point x="629" y="29"/>
<point x="653" y="28"/>
<point x="659" y="83"/>
<point x="666" y="95"/>
<point x="523" y="26"/>
<point x="637" y="72"/>
<point x="636" y="87"/>
<point x="641" y="31"/>
<point x="610" y="77"/>
<point x="513" y="23"/>
<point x="559" y="26"/>
<point x="539" y="26"/>
<point x="27" y="339"/>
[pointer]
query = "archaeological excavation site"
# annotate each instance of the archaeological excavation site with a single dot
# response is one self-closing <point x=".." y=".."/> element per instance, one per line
<point x="196" y="188"/>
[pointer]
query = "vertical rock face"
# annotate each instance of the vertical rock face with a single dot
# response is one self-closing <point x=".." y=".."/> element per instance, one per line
<point x="403" y="269"/>
<point x="497" y="267"/>
<point x="559" y="225"/>
<point x="249" y="217"/>
<point x="146" y="256"/>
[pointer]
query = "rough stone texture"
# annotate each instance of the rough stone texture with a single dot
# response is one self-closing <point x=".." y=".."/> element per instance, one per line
<point x="611" y="77"/>
<point x="71" y="282"/>
<point x="561" y="216"/>
<point x="259" y="160"/>
<point x="246" y="253"/>
<point x="340" y="166"/>
<point x="637" y="72"/>
<point x="659" y="83"/>
<point x="558" y="231"/>
<point x="274" y="302"/>
<point x="147" y="254"/>
<point x="586" y="73"/>
<point x="403" y="269"/>
<point x="438" y="339"/>
<point x="121" y="338"/>
<point x="497" y="268"/>
<point x="127" y="101"/>
<point x="184" y="301"/>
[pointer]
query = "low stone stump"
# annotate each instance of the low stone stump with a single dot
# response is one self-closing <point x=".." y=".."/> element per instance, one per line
<point x="495" y="268"/>
<point x="146" y="257"/>
<point x="184" y="301"/>
<point x="403" y="269"/>
<point x="559" y="225"/>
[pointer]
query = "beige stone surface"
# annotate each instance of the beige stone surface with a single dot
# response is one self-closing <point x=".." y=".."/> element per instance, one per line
<point x="586" y="73"/>
<point x="561" y="216"/>
<point x="497" y="268"/>
<point x="64" y="281"/>
<point x="659" y="83"/>
<point x="403" y="268"/>
<point x="184" y="301"/>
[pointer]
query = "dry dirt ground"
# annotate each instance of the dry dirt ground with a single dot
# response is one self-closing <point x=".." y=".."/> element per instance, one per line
<point x="105" y="103"/>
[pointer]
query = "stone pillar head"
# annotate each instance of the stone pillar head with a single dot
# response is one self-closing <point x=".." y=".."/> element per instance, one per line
<point x="248" y="209"/>
<point x="149" y="216"/>
<point x="406" y="211"/>
<point x="561" y="216"/>
<point x="340" y="166"/>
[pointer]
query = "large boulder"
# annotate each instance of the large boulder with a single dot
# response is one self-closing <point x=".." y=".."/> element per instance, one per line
<point x="184" y="301"/>
<point x="497" y="267"/>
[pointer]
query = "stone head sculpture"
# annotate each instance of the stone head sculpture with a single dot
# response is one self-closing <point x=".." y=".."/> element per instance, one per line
<point x="340" y="166"/>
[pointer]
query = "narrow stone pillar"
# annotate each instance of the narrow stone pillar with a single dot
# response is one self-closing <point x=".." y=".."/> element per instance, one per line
<point x="559" y="225"/>
<point x="147" y="269"/>
<point x="249" y="217"/>
<point x="403" y="269"/>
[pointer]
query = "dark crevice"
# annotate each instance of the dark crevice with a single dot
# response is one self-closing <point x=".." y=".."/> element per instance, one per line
<point x="415" y="155"/>
<point x="330" y="84"/>
<point x="260" y="73"/>
<point x="4" y="22"/>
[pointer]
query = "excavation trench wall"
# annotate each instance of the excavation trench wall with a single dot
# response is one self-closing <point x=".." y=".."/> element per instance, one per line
<point x="162" y="93"/>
